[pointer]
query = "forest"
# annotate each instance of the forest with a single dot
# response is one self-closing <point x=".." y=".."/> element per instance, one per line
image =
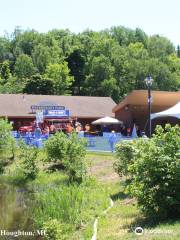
<point x="111" y="62"/>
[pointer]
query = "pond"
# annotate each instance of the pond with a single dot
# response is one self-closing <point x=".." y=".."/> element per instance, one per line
<point x="15" y="214"/>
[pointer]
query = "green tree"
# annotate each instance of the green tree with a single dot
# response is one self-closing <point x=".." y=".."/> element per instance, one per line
<point x="160" y="47"/>
<point x="155" y="173"/>
<point x="69" y="151"/>
<point x="5" y="53"/>
<point x="38" y="85"/>
<point x="100" y="76"/>
<point x="60" y="75"/>
<point x="24" y="41"/>
<point x="76" y="64"/>
<point x="7" y="143"/>
<point x="24" y="67"/>
<point x="44" y="55"/>
<point x="5" y="70"/>
<point x="12" y="85"/>
<point x="178" y="51"/>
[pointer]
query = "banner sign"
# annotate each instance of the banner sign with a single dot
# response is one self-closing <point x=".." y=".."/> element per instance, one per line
<point x="56" y="113"/>
<point x="39" y="116"/>
<point x="35" y="108"/>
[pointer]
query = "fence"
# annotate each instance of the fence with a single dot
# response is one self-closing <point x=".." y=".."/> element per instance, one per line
<point x="94" y="143"/>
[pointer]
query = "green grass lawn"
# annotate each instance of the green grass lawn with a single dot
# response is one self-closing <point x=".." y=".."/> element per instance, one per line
<point x="122" y="219"/>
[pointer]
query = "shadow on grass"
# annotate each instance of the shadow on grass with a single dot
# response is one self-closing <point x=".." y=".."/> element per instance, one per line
<point x="150" y="222"/>
<point x="119" y="196"/>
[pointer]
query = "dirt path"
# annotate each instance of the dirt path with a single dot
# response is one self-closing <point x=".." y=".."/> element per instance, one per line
<point x="101" y="166"/>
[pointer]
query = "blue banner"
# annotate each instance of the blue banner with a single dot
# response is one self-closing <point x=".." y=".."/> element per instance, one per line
<point x="56" y="113"/>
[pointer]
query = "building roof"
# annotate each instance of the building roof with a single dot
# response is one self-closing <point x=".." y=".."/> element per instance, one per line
<point x="139" y="97"/>
<point x="19" y="105"/>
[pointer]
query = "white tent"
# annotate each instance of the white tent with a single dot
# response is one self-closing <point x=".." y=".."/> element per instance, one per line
<point x="171" y="112"/>
<point x="106" y="121"/>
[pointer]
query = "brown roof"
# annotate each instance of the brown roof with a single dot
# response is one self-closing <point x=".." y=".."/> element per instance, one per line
<point x="80" y="106"/>
<point x="159" y="98"/>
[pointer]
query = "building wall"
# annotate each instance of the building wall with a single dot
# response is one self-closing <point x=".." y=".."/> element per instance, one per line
<point x="138" y="114"/>
<point x="125" y="115"/>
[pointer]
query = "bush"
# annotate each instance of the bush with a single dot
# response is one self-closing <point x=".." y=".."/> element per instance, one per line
<point x="7" y="143"/>
<point x="156" y="173"/>
<point x="70" y="152"/>
<point x="52" y="229"/>
<point x="124" y="157"/>
<point x="28" y="156"/>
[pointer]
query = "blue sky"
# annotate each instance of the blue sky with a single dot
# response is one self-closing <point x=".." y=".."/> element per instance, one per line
<point x="153" y="16"/>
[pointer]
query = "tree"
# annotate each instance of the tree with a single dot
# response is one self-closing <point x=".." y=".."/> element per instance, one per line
<point x="178" y="51"/>
<point x="38" y="85"/>
<point x="7" y="143"/>
<point x="5" y="53"/>
<point x="140" y="36"/>
<point x="60" y="75"/>
<point x="100" y="69"/>
<point x="24" y="67"/>
<point x="160" y="47"/>
<point x="76" y="64"/>
<point x="24" y="41"/>
<point x="44" y="55"/>
<point x="12" y="85"/>
<point x="5" y="70"/>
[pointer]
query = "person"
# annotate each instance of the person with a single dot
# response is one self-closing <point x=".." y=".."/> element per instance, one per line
<point x="52" y="128"/>
<point x="112" y="140"/>
<point x="38" y="137"/>
<point x="87" y="128"/>
<point x="124" y="130"/>
<point x="28" y="137"/>
<point x="78" y="127"/>
<point x="69" y="128"/>
<point x="138" y="130"/>
<point x="128" y="131"/>
<point x="46" y="131"/>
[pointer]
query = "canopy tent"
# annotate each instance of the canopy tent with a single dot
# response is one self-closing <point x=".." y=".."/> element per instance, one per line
<point x="106" y="121"/>
<point x="171" y="112"/>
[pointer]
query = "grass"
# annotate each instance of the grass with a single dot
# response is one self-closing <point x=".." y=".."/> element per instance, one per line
<point x="85" y="202"/>
<point x="74" y="206"/>
<point x="120" y="222"/>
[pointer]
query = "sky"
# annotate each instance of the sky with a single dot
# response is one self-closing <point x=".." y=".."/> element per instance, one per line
<point x="152" y="16"/>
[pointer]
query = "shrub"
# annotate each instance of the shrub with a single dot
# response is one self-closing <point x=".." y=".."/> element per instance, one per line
<point x="124" y="157"/>
<point x="28" y="156"/>
<point x="52" y="229"/>
<point x="68" y="151"/>
<point x="7" y="143"/>
<point x="156" y="173"/>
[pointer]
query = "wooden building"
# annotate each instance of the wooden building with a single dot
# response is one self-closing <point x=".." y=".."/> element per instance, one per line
<point x="18" y="107"/>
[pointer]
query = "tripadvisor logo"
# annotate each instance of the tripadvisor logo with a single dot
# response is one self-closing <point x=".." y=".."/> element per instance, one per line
<point x="139" y="231"/>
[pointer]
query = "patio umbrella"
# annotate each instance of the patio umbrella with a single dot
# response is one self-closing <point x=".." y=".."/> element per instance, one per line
<point x="106" y="121"/>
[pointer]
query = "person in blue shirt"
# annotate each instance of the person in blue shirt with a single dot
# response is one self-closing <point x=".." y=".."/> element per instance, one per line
<point x="112" y="140"/>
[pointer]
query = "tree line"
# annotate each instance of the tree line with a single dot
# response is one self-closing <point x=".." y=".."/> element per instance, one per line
<point x="111" y="62"/>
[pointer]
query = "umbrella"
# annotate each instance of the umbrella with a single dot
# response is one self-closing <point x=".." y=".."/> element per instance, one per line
<point x="106" y="121"/>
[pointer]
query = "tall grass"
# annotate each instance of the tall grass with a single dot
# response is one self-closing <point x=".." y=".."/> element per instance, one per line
<point x="73" y="206"/>
<point x="62" y="203"/>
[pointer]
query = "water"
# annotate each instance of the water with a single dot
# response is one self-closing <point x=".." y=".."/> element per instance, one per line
<point x="15" y="205"/>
